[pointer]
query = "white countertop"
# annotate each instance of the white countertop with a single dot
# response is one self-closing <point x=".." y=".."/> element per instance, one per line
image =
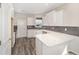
<point x="53" y="38"/>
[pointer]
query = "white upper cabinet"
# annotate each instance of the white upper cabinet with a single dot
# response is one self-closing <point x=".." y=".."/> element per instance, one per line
<point x="48" y="19"/>
<point x="58" y="18"/>
<point x="54" y="18"/>
<point x="66" y="15"/>
<point x="30" y="21"/>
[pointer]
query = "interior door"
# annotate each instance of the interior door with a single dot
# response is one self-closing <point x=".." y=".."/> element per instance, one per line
<point x="5" y="48"/>
<point x="0" y="28"/>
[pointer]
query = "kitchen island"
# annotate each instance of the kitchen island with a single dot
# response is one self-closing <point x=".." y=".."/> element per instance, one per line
<point x="52" y="43"/>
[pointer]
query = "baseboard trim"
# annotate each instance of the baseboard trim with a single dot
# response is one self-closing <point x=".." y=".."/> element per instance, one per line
<point x="26" y="38"/>
<point x="22" y="38"/>
<point x="30" y="37"/>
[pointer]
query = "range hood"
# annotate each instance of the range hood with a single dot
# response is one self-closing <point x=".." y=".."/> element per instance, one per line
<point x="38" y="22"/>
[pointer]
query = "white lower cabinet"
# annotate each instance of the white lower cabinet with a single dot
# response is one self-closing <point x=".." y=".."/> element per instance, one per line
<point x="42" y="49"/>
<point x="74" y="46"/>
<point x="33" y="32"/>
<point x="38" y="47"/>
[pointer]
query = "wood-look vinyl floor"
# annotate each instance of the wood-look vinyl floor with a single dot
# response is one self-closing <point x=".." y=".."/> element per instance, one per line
<point x="24" y="47"/>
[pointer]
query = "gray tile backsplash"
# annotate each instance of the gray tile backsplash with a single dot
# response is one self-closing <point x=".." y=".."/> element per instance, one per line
<point x="67" y="30"/>
<point x="62" y="29"/>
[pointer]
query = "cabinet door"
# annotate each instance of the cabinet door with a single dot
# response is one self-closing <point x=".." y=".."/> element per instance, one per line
<point x="31" y="33"/>
<point x="30" y="21"/>
<point x="74" y="46"/>
<point x="38" y="47"/>
<point x="58" y="18"/>
<point x="48" y="19"/>
<point x="6" y="29"/>
<point x="54" y="18"/>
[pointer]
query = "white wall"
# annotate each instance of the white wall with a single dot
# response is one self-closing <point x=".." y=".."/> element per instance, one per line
<point x="21" y="22"/>
<point x="71" y="14"/>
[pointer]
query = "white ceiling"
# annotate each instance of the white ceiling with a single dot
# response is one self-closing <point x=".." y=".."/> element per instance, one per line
<point x="35" y="8"/>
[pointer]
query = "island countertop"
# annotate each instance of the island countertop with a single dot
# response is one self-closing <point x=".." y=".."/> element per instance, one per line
<point x="52" y="38"/>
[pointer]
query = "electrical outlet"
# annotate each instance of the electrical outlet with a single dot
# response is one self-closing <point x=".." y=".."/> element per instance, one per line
<point x="65" y="29"/>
